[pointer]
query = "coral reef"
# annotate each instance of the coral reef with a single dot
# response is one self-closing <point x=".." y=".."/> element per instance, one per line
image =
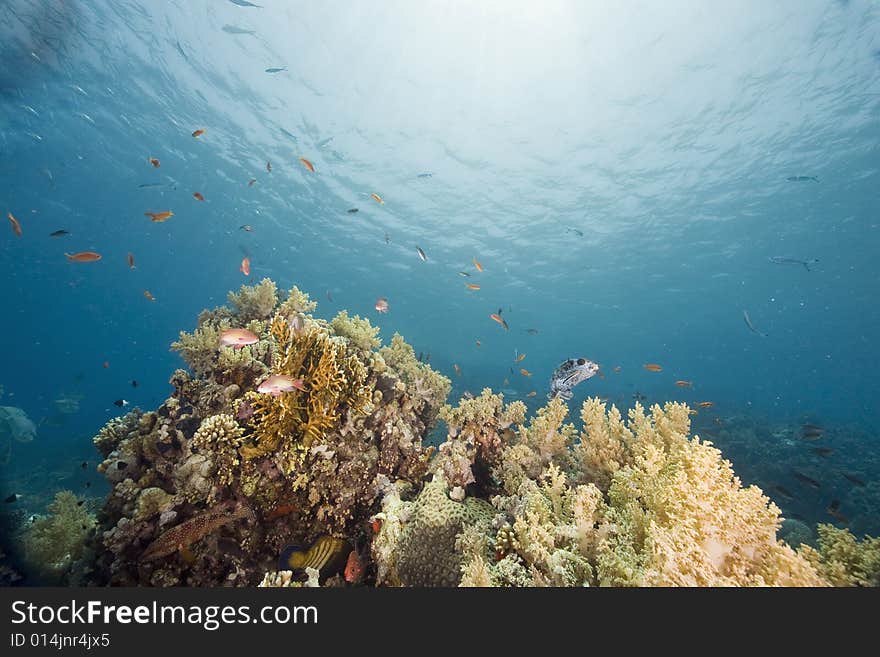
<point x="212" y="486"/>
<point x="284" y="469"/>
<point x="55" y="541"/>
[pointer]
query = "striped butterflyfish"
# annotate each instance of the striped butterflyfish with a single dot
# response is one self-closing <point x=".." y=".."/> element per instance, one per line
<point x="327" y="555"/>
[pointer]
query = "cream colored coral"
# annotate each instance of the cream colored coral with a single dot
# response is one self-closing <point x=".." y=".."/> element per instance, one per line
<point x="254" y="301"/>
<point x="221" y="436"/>
<point x="359" y="332"/>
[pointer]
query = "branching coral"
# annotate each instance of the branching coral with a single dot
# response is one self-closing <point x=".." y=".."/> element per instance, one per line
<point x="479" y="429"/>
<point x="843" y="560"/>
<point x="254" y="302"/>
<point x="359" y="332"/>
<point x="425" y="383"/>
<point x="199" y="348"/>
<point x="53" y="542"/>
<point x="672" y="511"/>
<point x="333" y="381"/>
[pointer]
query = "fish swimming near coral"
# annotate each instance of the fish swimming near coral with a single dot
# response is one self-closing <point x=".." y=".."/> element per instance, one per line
<point x="276" y="69"/>
<point x="307" y="164"/>
<point x="853" y="479"/>
<point x="198" y="196"/>
<point x="381" y="305"/>
<point x="238" y="338"/>
<point x="377" y="198"/>
<point x="782" y="260"/>
<point x="130" y="260"/>
<point x="421" y="253"/>
<point x="653" y="367"/>
<point x="198" y="133"/>
<point x="570" y="373"/>
<point x="328" y="555"/>
<point x="234" y="29"/>
<point x="155" y="162"/>
<point x="812" y="432"/>
<point x="354" y="568"/>
<point x="59" y="233"/>
<point x="196" y="528"/>
<point x="277" y="384"/>
<point x="477" y="264"/>
<point x="802" y="178"/>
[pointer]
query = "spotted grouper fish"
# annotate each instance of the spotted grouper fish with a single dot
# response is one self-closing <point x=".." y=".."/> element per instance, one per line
<point x="569" y="374"/>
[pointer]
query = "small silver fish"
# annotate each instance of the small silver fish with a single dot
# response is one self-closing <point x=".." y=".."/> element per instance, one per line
<point x="802" y="178"/>
<point x="782" y="260"/>
<point x="422" y="254"/>
<point x="276" y="70"/>
<point x="748" y="321"/>
<point x="232" y="29"/>
<point x="569" y="374"/>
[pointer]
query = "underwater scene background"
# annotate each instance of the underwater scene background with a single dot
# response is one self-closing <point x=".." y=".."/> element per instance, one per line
<point x="684" y="185"/>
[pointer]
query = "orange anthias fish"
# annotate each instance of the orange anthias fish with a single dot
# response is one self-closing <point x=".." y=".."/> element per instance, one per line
<point x="83" y="256"/>
<point x="525" y="372"/>
<point x="131" y="261"/>
<point x="245" y="267"/>
<point x="520" y="358"/>
<point x="16" y="227"/>
<point x="472" y="286"/>
<point x="149" y="296"/>
<point x="308" y="165"/>
<point x="282" y="510"/>
<point x="198" y="196"/>
<point x="652" y="367"/>
<point x="155" y="162"/>
<point x="238" y="338"/>
<point x="477" y="264"/>
<point x="685" y="384"/>
<point x="159" y="217"/>
<point x="499" y="319"/>
<point x="278" y="384"/>
<point x="198" y="133"/>
<point x="706" y="404"/>
<point x="381" y="305"/>
<point x="377" y="198"/>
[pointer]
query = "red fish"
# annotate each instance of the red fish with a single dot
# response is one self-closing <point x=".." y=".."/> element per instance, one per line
<point x="198" y="196"/>
<point x="131" y="260"/>
<point x="381" y="305"/>
<point x="308" y="165"/>
<point x="198" y="133"/>
<point x="653" y="367"/>
<point x="238" y="338"/>
<point x="477" y="265"/>
<point x="500" y="320"/>
<point x="245" y="267"/>
<point x="155" y="162"/>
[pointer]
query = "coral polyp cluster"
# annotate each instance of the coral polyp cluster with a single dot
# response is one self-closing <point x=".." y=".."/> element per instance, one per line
<point x="230" y="472"/>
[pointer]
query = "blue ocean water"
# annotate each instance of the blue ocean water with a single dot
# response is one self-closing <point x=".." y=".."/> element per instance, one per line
<point x="620" y="170"/>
